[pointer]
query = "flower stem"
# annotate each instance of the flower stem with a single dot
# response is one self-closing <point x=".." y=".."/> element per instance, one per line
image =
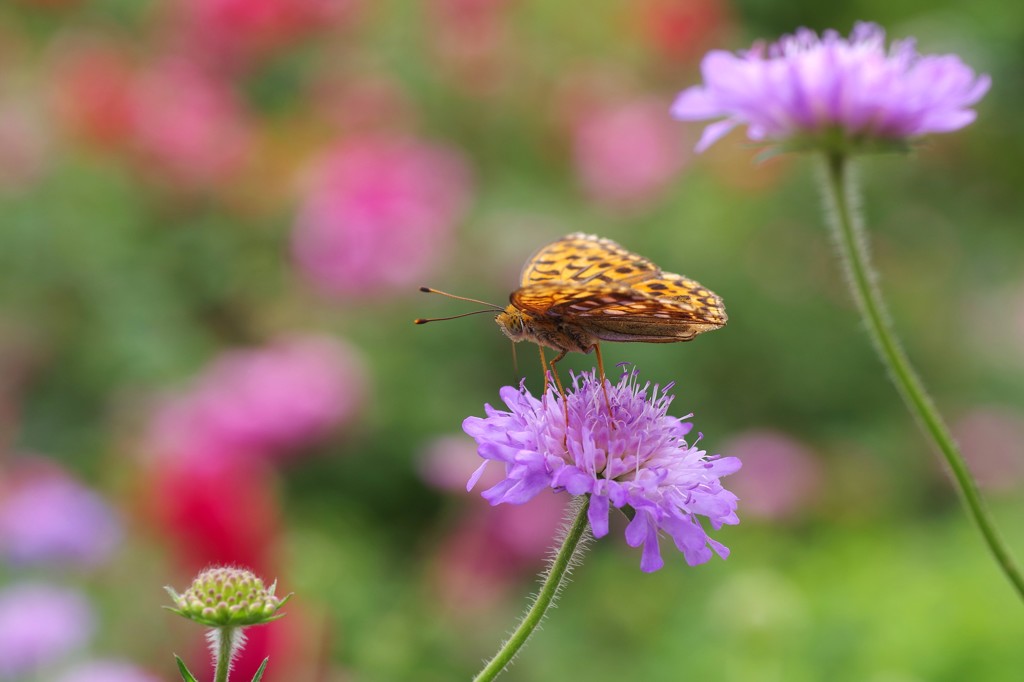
<point x="225" y="652"/>
<point x="549" y="589"/>
<point x="851" y="240"/>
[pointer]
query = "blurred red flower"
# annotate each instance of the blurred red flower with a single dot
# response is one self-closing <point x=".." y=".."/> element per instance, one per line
<point x="472" y="41"/>
<point x="683" y="30"/>
<point x="92" y="89"/>
<point x="236" y="31"/>
<point x="171" y="117"/>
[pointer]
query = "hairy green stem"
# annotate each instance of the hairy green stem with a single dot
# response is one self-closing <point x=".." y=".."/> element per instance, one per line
<point x="549" y="589"/>
<point x="225" y="652"/>
<point x="851" y="240"/>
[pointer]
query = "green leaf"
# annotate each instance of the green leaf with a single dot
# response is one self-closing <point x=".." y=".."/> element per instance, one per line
<point x="189" y="677"/>
<point x="259" y="673"/>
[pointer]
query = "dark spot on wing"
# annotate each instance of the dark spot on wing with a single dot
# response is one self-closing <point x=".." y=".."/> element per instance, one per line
<point x="657" y="286"/>
<point x="624" y="270"/>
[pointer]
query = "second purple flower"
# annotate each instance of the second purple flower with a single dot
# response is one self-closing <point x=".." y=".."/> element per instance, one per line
<point x="808" y="86"/>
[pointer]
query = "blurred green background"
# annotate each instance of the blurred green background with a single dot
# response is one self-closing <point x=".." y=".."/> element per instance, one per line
<point x="134" y="254"/>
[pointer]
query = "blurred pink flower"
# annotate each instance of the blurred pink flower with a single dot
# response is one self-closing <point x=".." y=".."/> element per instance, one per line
<point x="990" y="438"/>
<point x="380" y="214"/>
<point x="48" y="518"/>
<point x="780" y="479"/>
<point x="263" y="402"/>
<point x="239" y="30"/>
<point x="627" y="153"/>
<point x="187" y="123"/>
<point x="40" y="624"/>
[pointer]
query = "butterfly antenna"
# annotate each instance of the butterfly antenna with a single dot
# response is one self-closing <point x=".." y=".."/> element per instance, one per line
<point x="429" y="290"/>
<point x="424" y="320"/>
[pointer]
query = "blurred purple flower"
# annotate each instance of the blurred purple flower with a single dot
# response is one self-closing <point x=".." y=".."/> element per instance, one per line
<point x="107" y="671"/>
<point x="447" y="461"/>
<point x="627" y="153"/>
<point x="643" y="462"/>
<point x="51" y="519"/>
<point x="380" y="213"/>
<point x="780" y="479"/>
<point x="806" y="85"/>
<point x="265" y="401"/>
<point x="489" y="550"/>
<point x="991" y="438"/>
<point x="40" y="625"/>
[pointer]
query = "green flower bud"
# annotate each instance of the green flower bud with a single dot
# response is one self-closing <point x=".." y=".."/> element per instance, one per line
<point x="227" y="597"/>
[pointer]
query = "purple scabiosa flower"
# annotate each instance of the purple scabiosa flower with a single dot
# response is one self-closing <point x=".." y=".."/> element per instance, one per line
<point x="49" y="518"/>
<point x="829" y="90"/>
<point x="40" y="625"/>
<point x="637" y="457"/>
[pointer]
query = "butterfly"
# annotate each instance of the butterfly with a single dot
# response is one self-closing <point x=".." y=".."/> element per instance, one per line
<point x="584" y="289"/>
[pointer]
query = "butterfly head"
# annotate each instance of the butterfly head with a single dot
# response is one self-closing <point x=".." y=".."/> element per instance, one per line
<point x="514" y="323"/>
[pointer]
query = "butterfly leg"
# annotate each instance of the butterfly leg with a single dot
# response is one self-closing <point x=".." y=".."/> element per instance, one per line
<point x="554" y="372"/>
<point x="604" y="389"/>
<point x="543" y="366"/>
<point x="561" y="390"/>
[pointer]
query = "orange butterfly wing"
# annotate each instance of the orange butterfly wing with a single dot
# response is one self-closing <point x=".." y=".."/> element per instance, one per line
<point x="581" y="259"/>
<point x="614" y="294"/>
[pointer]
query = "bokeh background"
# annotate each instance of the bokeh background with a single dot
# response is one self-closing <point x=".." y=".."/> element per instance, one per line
<point x="214" y="217"/>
